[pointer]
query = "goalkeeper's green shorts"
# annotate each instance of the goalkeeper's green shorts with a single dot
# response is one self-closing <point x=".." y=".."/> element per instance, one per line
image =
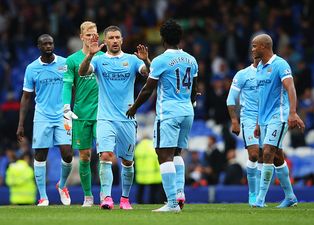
<point x="84" y="132"/>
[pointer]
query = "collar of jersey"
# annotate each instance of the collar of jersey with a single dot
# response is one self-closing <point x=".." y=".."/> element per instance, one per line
<point x="271" y="59"/>
<point x="115" y="56"/>
<point x="253" y="68"/>
<point x="173" y="50"/>
<point x="54" y="61"/>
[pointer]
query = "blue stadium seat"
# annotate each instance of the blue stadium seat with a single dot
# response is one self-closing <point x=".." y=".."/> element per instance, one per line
<point x="199" y="128"/>
<point x="302" y="166"/>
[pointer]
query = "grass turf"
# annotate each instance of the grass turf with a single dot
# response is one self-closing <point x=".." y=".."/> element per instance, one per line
<point x="193" y="214"/>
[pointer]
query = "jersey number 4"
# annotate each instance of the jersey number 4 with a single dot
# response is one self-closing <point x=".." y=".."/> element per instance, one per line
<point x="186" y="81"/>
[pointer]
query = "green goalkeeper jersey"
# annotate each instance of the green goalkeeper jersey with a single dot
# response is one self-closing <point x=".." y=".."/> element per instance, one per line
<point x="85" y="88"/>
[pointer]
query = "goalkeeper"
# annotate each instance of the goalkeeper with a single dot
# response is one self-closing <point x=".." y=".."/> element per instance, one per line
<point x="85" y="94"/>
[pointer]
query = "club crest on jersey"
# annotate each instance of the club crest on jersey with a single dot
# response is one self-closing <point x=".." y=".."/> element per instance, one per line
<point x="63" y="68"/>
<point x="269" y="70"/>
<point x="125" y="64"/>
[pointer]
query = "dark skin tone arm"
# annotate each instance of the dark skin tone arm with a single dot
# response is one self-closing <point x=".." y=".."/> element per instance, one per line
<point x="235" y="125"/>
<point x="145" y="93"/>
<point x="25" y="102"/>
<point x="293" y="119"/>
<point x="148" y="89"/>
<point x="195" y="92"/>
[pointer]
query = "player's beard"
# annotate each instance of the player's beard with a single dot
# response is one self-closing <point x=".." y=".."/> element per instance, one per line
<point x="48" y="53"/>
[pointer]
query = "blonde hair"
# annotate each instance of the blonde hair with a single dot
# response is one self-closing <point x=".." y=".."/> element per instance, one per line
<point x="87" y="25"/>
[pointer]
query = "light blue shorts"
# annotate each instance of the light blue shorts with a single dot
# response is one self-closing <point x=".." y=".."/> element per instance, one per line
<point x="49" y="134"/>
<point x="274" y="133"/>
<point x="172" y="132"/>
<point x="248" y="127"/>
<point x="116" y="136"/>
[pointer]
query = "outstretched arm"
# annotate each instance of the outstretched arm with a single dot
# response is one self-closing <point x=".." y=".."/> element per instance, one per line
<point x="25" y="102"/>
<point x="145" y="93"/>
<point x="293" y="119"/>
<point x="142" y="53"/>
<point x="85" y="68"/>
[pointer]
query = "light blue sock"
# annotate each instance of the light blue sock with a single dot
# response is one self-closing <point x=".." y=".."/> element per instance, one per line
<point x="282" y="173"/>
<point x="65" y="172"/>
<point x="266" y="176"/>
<point x="40" y="177"/>
<point x="168" y="176"/>
<point x="180" y="173"/>
<point x="98" y="169"/>
<point x="127" y="176"/>
<point x="258" y="177"/>
<point x="106" y="177"/>
<point x="251" y="175"/>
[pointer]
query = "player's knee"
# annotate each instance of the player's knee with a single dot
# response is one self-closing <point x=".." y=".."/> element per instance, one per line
<point x="278" y="161"/>
<point x="253" y="152"/>
<point x="127" y="163"/>
<point x="164" y="158"/>
<point x="40" y="155"/>
<point x="177" y="152"/>
<point x="269" y="152"/>
<point x="165" y="154"/>
<point x="268" y="157"/>
<point x="85" y="155"/>
<point x="253" y="157"/>
<point x="106" y="156"/>
<point x="67" y="157"/>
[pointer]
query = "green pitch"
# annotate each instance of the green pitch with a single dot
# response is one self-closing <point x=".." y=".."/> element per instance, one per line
<point x="193" y="214"/>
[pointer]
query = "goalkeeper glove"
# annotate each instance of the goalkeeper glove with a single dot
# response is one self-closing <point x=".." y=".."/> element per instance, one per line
<point x="68" y="115"/>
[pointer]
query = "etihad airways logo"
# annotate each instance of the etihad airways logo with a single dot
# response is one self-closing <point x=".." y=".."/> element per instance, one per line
<point x="116" y="76"/>
<point x="263" y="82"/>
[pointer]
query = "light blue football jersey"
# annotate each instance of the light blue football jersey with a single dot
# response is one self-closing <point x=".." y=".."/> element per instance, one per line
<point x="116" y="76"/>
<point x="47" y="82"/>
<point x="174" y="70"/>
<point x="244" y="84"/>
<point x="273" y="97"/>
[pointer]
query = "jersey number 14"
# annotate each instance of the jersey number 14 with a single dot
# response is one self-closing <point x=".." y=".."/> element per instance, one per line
<point x="186" y="81"/>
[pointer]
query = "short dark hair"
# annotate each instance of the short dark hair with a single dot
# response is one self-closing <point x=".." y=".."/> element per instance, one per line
<point x="41" y="37"/>
<point x="112" y="28"/>
<point x="171" y="32"/>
